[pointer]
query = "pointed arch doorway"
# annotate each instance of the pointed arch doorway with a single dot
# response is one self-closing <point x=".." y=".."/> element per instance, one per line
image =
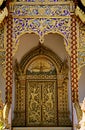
<point x="41" y="93"/>
<point x="41" y="89"/>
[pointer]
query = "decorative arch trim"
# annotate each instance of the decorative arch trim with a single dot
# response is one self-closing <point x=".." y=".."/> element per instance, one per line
<point x="41" y="39"/>
<point x="40" y="50"/>
<point x="26" y="25"/>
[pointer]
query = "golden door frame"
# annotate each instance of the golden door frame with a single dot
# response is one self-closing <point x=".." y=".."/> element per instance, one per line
<point x="41" y="92"/>
<point x="20" y="83"/>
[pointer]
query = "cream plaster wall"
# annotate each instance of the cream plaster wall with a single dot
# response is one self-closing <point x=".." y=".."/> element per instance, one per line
<point x="52" y="41"/>
<point x="26" y="42"/>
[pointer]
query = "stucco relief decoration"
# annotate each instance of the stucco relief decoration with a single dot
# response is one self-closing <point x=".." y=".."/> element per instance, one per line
<point x="41" y="10"/>
<point x="41" y="20"/>
<point x="80" y="10"/>
<point x="41" y="26"/>
<point x="82" y="36"/>
<point x="2" y="57"/>
<point x="81" y="49"/>
<point x="1" y="38"/>
<point x="41" y="65"/>
<point x="2" y="50"/>
<point x="41" y="0"/>
<point x="3" y="10"/>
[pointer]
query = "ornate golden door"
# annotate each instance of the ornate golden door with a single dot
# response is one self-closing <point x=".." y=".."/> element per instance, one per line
<point x="41" y="90"/>
<point x="41" y="103"/>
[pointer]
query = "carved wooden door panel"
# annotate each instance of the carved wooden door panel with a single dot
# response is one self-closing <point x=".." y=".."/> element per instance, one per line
<point x="41" y="103"/>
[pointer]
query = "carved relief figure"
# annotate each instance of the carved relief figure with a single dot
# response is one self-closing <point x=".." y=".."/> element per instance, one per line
<point x="49" y="102"/>
<point x="33" y="101"/>
<point x="41" y="65"/>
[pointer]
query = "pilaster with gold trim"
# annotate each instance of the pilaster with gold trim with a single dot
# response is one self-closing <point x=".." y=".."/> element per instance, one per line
<point x="74" y="65"/>
<point x="19" y="111"/>
<point x="9" y="72"/>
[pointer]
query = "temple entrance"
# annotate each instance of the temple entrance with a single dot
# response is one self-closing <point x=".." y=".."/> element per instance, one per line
<point x="41" y="93"/>
<point x="41" y="90"/>
<point x="41" y="103"/>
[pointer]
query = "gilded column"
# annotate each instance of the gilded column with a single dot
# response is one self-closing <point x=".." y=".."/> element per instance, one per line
<point x="19" y="111"/>
<point x="74" y="56"/>
<point x="9" y="72"/>
<point x="22" y="100"/>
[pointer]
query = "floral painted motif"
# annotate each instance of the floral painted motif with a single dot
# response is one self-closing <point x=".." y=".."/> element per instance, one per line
<point x="41" y="26"/>
<point x="41" y="10"/>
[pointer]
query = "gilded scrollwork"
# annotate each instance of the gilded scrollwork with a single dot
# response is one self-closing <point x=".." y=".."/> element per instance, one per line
<point x="41" y="65"/>
<point x="1" y="38"/>
<point x="46" y="17"/>
<point x="2" y="57"/>
<point x="17" y="69"/>
<point x="64" y="71"/>
<point x="47" y="1"/>
<point x="33" y="110"/>
<point x="81" y="49"/>
<point x="81" y="36"/>
<point x="49" y="103"/>
<point x="81" y="58"/>
<point x="41" y="27"/>
<point x="32" y="99"/>
<point x="41" y="10"/>
<point x="41" y="101"/>
<point x="2" y="62"/>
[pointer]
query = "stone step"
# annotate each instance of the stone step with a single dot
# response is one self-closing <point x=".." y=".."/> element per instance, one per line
<point x="42" y="128"/>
